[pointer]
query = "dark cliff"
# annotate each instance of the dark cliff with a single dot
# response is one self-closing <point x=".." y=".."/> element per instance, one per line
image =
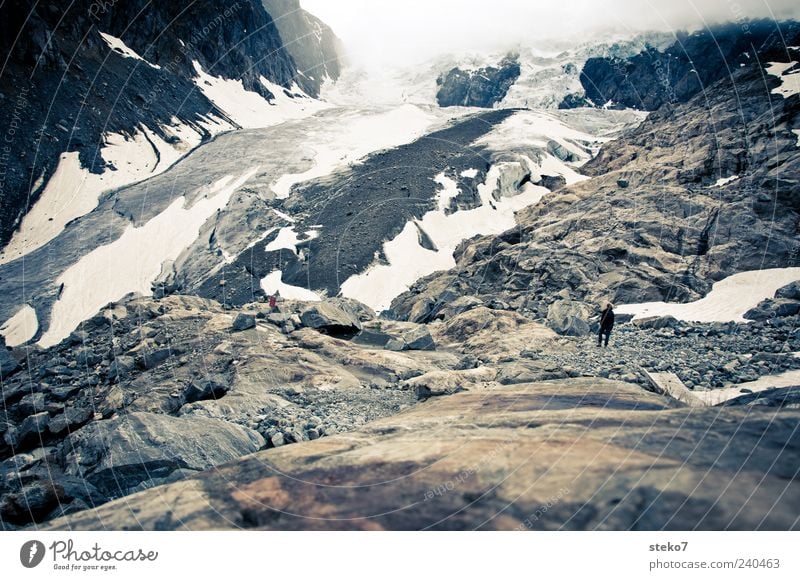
<point x="687" y="67"/>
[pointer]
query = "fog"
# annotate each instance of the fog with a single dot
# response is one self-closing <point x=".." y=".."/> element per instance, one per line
<point x="386" y="32"/>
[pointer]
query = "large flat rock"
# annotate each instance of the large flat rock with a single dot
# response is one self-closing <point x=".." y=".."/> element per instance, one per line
<point x="141" y="449"/>
<point x="572" y="454"/>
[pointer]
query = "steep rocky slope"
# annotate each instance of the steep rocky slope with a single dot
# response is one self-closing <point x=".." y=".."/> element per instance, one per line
<point x="697" y="192"/>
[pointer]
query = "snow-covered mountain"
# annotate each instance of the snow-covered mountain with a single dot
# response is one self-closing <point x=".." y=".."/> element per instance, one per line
<point x="98" y="95"/>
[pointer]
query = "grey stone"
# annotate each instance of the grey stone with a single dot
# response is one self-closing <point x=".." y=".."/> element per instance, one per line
<point x="244" y="322"/>
<point x="419" y="338"/>
<point x="327" y="317"/>
<point x="568" y="317"/>
<point x="118" y="454"/>
<point x="72" y="418"/>
<point x="204" y="389"/>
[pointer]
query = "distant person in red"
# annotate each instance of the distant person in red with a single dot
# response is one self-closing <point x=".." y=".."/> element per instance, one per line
<point x="606" y="324"/>
<point x="273" y="302"/>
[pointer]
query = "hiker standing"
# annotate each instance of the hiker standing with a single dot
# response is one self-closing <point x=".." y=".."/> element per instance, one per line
<point x="606" y="324"/>
<point x="273" y="302"/>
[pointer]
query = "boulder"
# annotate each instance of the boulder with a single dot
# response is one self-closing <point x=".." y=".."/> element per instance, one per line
<point x="32" y="430"/>
<point x="786" y="397"/>
<point x="204" y="389"/>
<point x="72" y="418"/>
<point x="439" y="383"/>
<point x="418" y="338"/>
<point x="372" y="337"/>
<point x="789" y="292"/>
<point x="769" y="309"/>
<point x="329" y="318"/>
<point x="31" y="403"/>
<point x="656" y="322"/>
<point x="31" y="503"/>
<point x="123" y="453"/>
<point x="568" y="317"/>
<point x="553" y="182"/>
<point x="244" y="322"/>
<point x="659" y="471"/>
<point x="150" y="358"/>
<point x="395" y="344"/>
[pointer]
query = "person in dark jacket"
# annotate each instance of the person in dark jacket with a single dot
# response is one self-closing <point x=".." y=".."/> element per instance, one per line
<point x="606" y="324"/>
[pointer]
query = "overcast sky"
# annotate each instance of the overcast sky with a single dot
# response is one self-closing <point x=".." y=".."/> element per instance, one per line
<point x="405" y="31"/>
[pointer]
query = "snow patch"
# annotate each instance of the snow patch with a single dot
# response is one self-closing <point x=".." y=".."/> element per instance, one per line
<point x="250" y="110"/>
<point x="728" y="300"/>
<point x="790" y="82"/>
<point x="765" y="383"/>
<point x="469" y="173"/>
<point x="797" y="132"/>
<point x="448" y="192"/>
<point x="409" y="261"/>
<point x="272" y="283"/>
<point x="287" y="240"/>
<point x="133" y="261"/>
<point x="282" y="215"/>
<point x="117" y="45"/>
<point x="725" y="180"/>
<point x="357" y="136"/>
<point x="21" y="327"/>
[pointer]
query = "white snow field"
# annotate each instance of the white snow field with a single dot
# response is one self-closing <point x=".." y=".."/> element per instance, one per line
<point x="765" y="383"/>
<point x="250" y="110"/>
<point x="790" y="83"/>
<point x="21" y="327"/>
<point x="727" y="301"/>
<point x="272" y="283"/>
<point x="74" y="191"/>
<point x="134" y="260"/>
<point x="117" y="45"/>
<point x="357" y="134"/>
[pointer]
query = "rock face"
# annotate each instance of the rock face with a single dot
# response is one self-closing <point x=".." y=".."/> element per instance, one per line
<point x="695" y="61"/>
<point x="578" y="454"/>
<point x="313" y="46"/>
<point x="140" y="450"/>
<point x="480" y="88"/>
